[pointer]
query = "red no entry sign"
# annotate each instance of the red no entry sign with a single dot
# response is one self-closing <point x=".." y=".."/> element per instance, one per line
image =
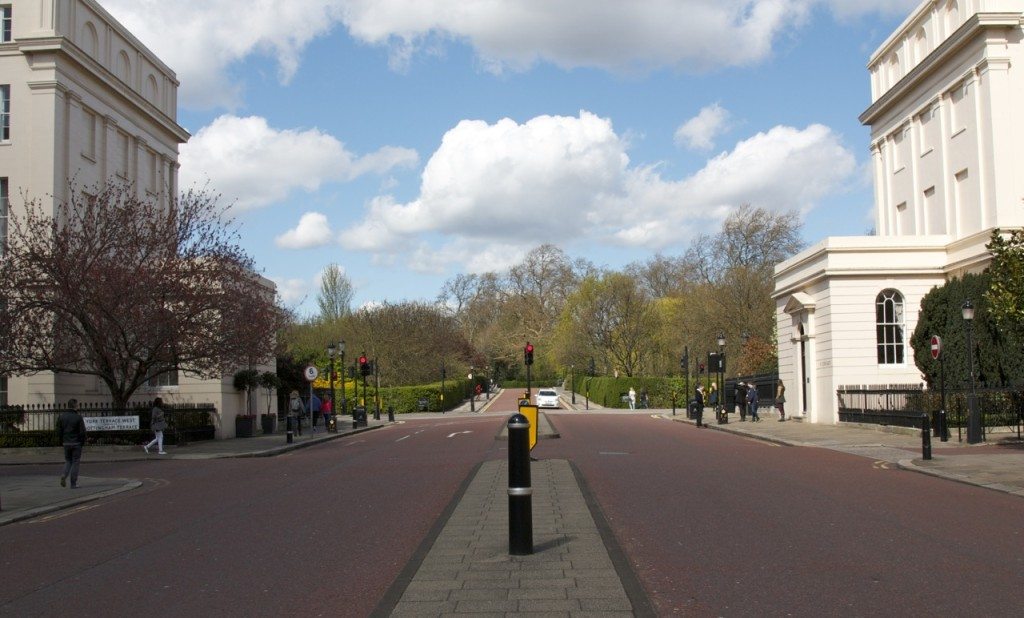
<point x="936" y="346"/>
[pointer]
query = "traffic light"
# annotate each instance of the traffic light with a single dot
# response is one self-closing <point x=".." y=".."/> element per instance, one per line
<point x="528" y="353"/>
<point x="364" y="366"/>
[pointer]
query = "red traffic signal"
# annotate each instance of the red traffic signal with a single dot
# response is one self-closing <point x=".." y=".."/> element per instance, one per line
<point x="364" y="366"/>
<point x="362" y="360"/>
<point x="528" y="353"/>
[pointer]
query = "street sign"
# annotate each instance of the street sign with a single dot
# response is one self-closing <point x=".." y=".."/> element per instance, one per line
<point x="311" y="373"/>
<point x="936" y="343"/>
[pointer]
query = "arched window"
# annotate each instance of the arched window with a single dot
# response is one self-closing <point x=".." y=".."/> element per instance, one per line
<point x="124" y="69"/>
<point x="152" y="92"/>
<point x="889" y="327"/>
<point x="90" y="40"/>
<point x="920" y="45"/>
<point x="952" y="16"/>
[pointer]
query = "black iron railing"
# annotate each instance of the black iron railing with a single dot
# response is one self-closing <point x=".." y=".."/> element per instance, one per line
<point x="903" y="406"/>
<point x="34" y="425"/>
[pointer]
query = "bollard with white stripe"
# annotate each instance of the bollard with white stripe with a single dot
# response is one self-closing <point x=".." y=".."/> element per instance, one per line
<point x="520" y="491"/>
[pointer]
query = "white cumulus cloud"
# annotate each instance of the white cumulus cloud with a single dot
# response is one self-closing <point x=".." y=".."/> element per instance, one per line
<point x="201" y="39"/>
<point x="313" y="230"/>
<point x="561" y="179"/>
<point x="291" y="291"/>
<point x="254" y="164"/>
<point x="699" y="132"/>
<point x="608" y="34"/>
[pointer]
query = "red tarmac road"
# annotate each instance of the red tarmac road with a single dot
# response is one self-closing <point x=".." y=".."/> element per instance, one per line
<point x="719" y="525"/>
<point x="712" y="523"/>
<point x="323" y="530"/>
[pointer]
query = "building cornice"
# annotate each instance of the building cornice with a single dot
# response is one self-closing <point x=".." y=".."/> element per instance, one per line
<point x="971" y="29"/>
<point x="65" y="48"/>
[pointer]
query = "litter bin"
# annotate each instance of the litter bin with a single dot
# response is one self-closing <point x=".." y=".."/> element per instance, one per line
<point x="691" y="409"/>
<point x="422" y="404"/>
<point x="359" y="416"/>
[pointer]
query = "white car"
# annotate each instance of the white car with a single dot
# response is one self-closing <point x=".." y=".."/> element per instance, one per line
<point x="547" y="398"/>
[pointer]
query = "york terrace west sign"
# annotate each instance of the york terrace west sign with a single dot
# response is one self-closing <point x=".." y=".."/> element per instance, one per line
<point x="111" y="423"/>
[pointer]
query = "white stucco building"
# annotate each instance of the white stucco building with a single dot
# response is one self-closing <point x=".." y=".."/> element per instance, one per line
<point x="82" y="99"/>
<point x="947" y="144"/>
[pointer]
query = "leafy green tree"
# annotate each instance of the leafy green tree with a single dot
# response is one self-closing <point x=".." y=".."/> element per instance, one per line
<point x="335" y="296"/>
<point x="998" y="360"/>
<point x="1005" y="295"/>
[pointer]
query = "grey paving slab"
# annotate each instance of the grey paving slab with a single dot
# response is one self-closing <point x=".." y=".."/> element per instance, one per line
<point x="544" y="583"/>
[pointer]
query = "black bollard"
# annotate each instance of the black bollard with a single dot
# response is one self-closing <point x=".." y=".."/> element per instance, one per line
<point x="926" y="437"/>
<point x="520" y="491"/>
<point x="391" y="414"/>
<point x="943" y="427"/>
<point x="289" y="436"/>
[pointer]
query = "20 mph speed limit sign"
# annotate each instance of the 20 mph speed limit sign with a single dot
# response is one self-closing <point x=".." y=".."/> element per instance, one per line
<point x="311" y="373"/>
<point x="936" y="344"/>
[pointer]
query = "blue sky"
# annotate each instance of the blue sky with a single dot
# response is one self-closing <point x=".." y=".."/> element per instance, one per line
<point x="410" y="140"/>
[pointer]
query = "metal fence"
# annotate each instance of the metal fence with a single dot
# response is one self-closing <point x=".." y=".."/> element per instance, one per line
<point x="765" y="384"/>
<point x="902" y="406"/>
<point x="35" y="425"/>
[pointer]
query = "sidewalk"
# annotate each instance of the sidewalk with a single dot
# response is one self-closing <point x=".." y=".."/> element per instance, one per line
<point x="23" y="496"/>
<point x="997" y="464"/>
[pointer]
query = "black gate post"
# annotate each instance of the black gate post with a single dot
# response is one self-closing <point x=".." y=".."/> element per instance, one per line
<point x="926" y="437"/>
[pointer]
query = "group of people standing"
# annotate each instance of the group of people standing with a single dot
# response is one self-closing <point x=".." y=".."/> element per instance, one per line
<point x="316" y="408"/>
<point x="745" y="399"/>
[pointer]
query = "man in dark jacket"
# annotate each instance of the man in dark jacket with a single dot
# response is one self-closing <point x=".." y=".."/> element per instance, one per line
<point x="698" y="405"/>
<point x="71" y="433"/>
<point x="740" y="397"/>
<point x="752" y="402"/>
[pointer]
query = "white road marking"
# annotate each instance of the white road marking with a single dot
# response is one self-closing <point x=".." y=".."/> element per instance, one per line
<point x="403" y="438"/>
<point x="452" y="435"/>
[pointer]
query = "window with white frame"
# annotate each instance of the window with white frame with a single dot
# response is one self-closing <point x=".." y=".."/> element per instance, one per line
<point x="5" y="23"/>
<point x="5" y="112"/>
<point x="889" y="328"/>
<point x="168" y="378"/>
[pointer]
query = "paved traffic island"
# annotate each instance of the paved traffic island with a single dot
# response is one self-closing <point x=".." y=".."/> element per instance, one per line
<point x="576" y="565"/>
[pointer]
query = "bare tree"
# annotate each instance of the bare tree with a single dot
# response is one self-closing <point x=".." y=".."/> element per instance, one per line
<point x="124" y="289"/>
<point x="336" y="291"/>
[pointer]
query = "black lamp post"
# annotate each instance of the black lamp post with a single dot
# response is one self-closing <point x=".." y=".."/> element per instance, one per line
<point x="442" y="386"/>
<point x="330" y="378"/>
<point x="472" y="391"/>
<point x="341" y="352"/>
<point x="973" y="417"/>
<point x="572" y="382"/>
<point x="721" y="376"/>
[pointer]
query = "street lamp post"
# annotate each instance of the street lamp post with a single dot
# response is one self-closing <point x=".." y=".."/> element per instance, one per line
<point x="721" y="377"/>
<point x="974" y="432"/>
<point x="330" y="378"/>
<point x="472" y="391"/>
<point x="591" y="372"/>
<point x="442" y="387"/>
<point x="572" y="382"/>
<point x="341" y="351"/>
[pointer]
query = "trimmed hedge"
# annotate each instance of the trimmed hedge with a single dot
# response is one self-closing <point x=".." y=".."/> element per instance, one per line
<point x="406" y="399"/>
<point x="608" y="392"/>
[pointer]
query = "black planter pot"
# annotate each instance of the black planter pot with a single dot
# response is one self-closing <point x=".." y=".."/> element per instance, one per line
<point x="269" y="423"/>
<point x="245" y="426"/>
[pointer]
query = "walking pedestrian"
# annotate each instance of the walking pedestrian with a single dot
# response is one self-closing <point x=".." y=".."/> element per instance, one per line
<point x="645" y="401"/>
<point x="327" y="409"/>
<point x="71" y="433"/>
<point x="158" y="425"/>
<point x="296" y="410"/>
<point x="780" y="400"/>
<point x="740" y="400"/>
<point x="698" y="405"/>
<point x="752" y="403"/>
<point x="632" y="398"/>
<point x="314" y="410"/>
